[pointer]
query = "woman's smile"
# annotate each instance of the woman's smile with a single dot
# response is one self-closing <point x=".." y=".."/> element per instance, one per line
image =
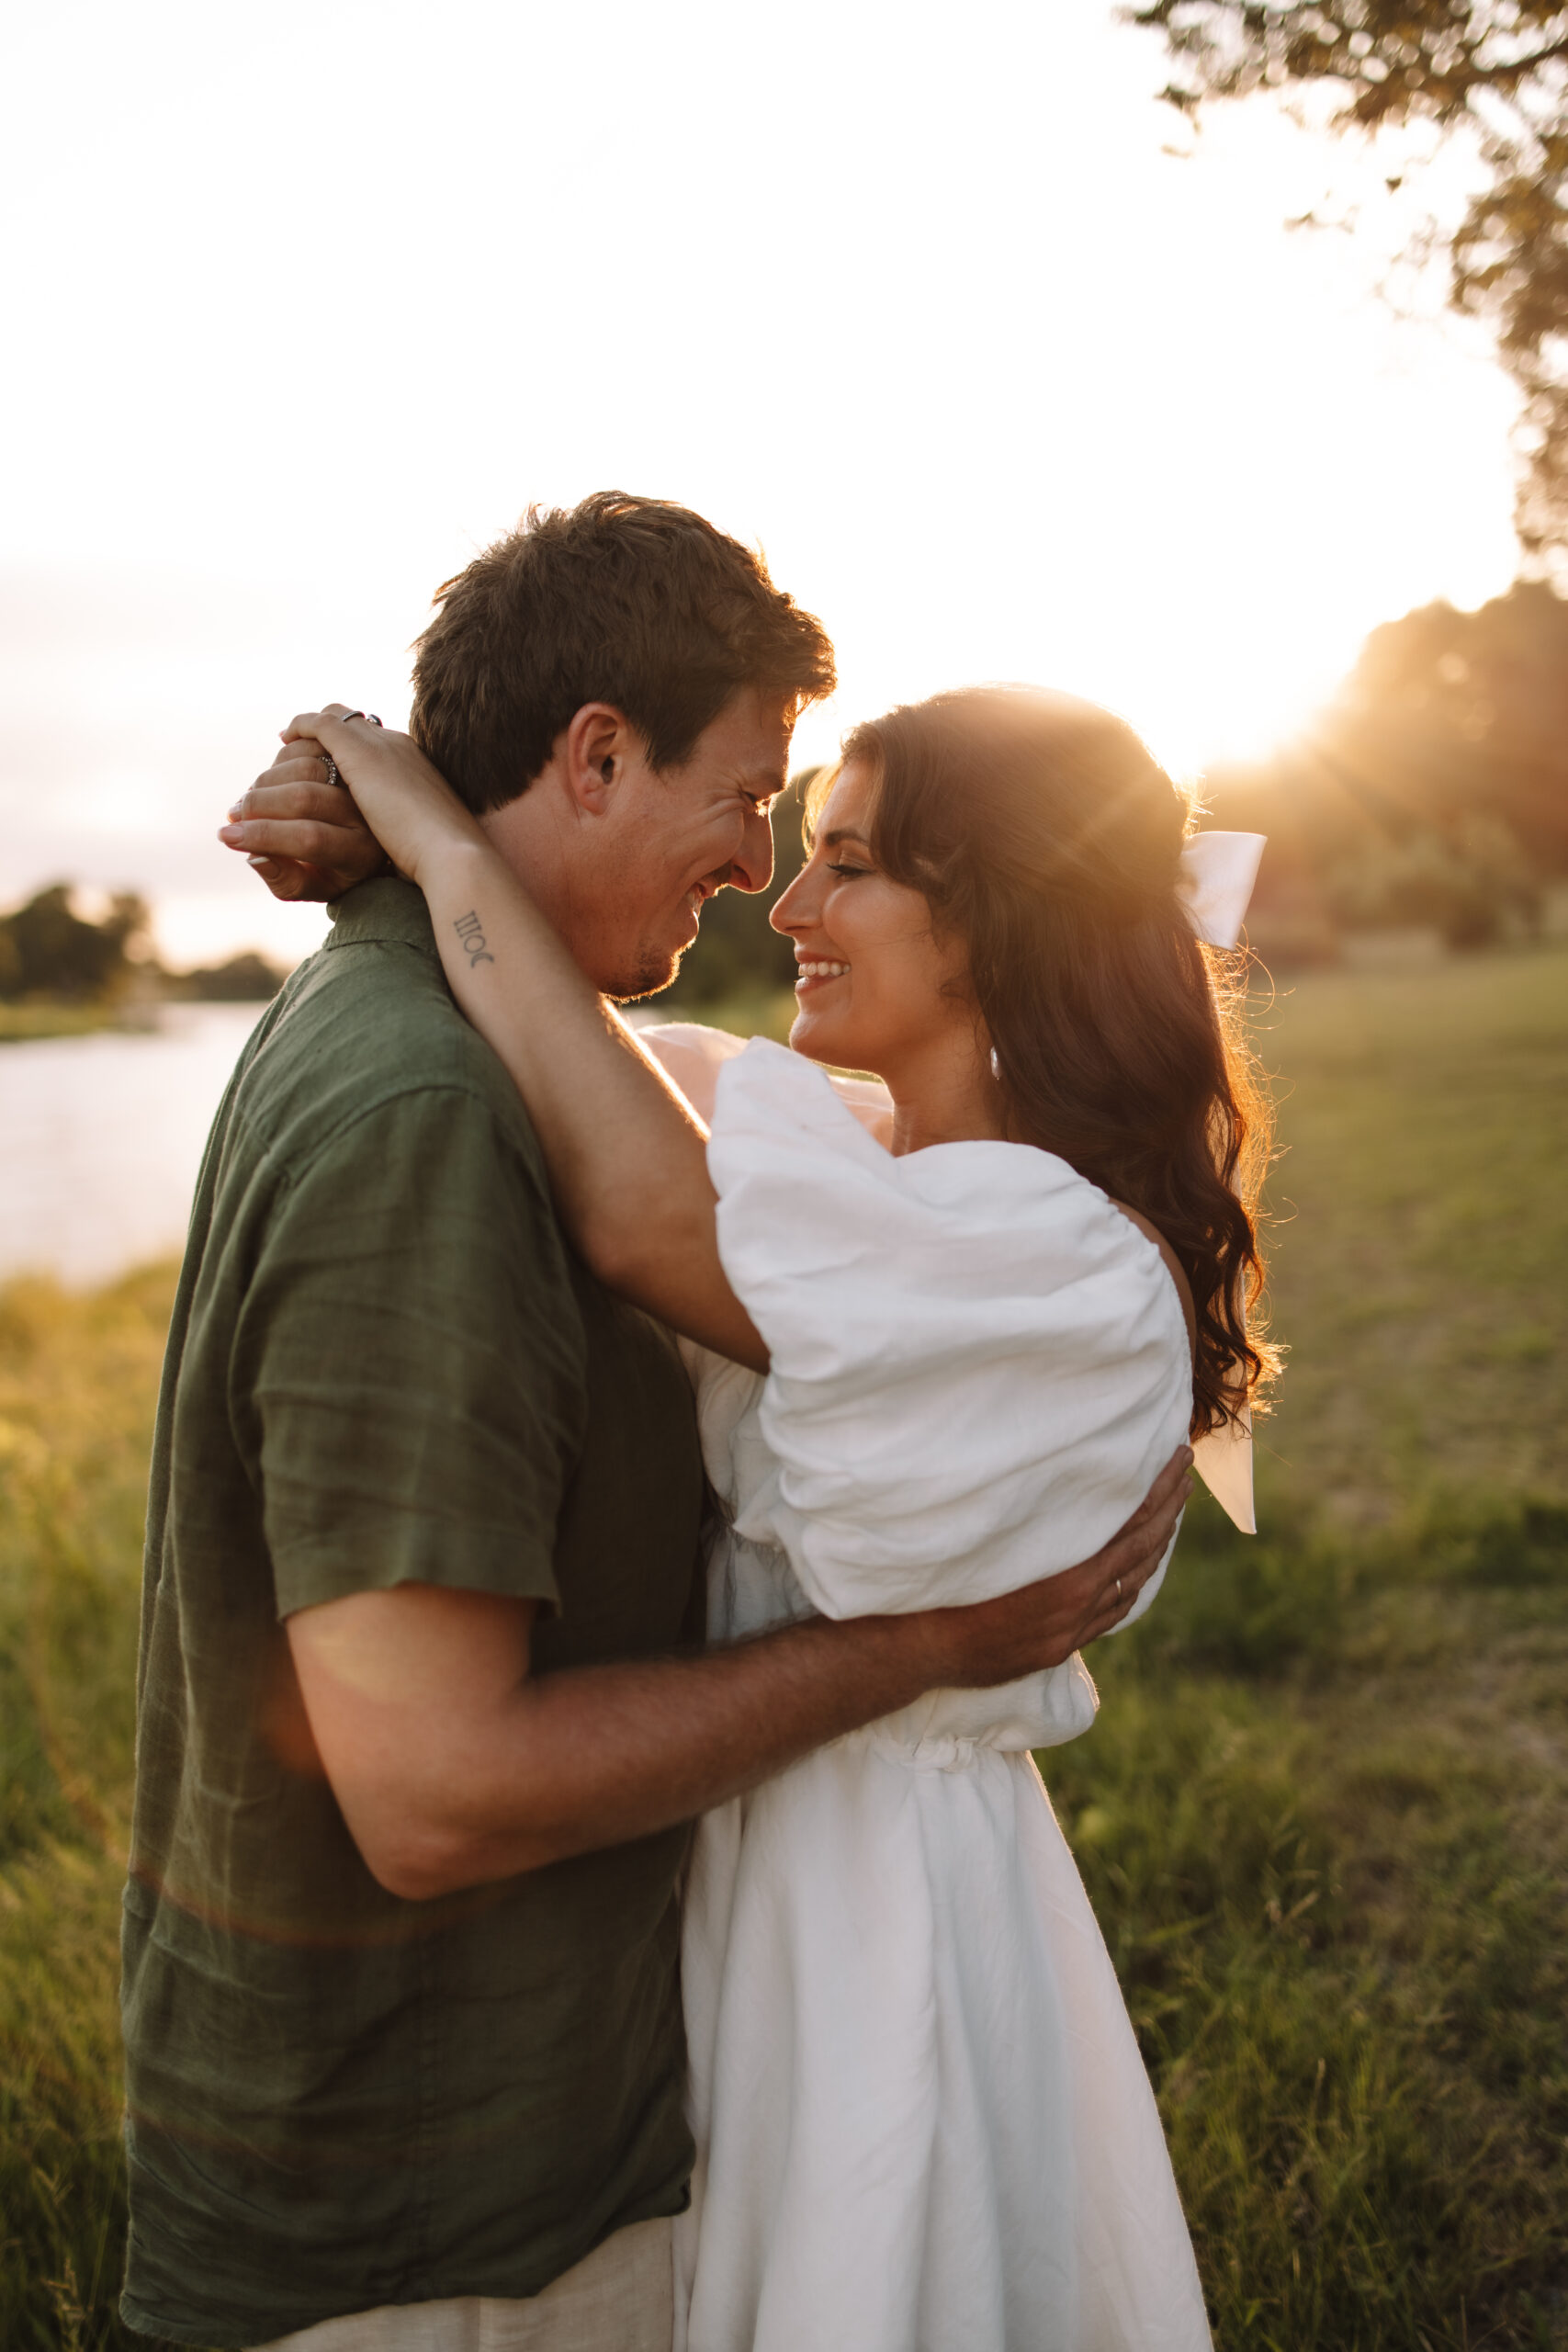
<point x="876" y="990"/>
<point x="817" y="972"/>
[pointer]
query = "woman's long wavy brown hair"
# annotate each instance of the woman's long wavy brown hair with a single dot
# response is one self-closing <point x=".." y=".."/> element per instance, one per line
<point x="1043" y="832"/>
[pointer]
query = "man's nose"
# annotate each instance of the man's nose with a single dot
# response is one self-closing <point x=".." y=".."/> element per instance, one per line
<point x="752" y="869"/>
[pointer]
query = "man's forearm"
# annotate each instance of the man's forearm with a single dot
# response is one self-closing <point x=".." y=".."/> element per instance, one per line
<point x="597" y="1756"/>
<point x="454" y="1764"/>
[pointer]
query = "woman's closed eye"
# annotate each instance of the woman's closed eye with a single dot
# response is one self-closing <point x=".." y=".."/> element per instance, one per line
<point x="847" y="871"/>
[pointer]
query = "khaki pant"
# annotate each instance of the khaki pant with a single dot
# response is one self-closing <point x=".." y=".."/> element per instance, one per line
<point x="619" y="2299"/>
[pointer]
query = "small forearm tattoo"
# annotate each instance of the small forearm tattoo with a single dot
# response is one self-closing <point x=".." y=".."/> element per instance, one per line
<point x="471" y="930"/>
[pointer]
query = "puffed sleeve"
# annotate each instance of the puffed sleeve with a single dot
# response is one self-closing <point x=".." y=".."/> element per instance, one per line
<point x="692" y="1055"/>
<point x="979" y="1364"/>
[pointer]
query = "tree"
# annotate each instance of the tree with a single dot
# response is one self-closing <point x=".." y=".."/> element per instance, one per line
<point x="1433" y="790"/>
<point x="1500" y="66"/>
<point x="50" y="951"/>
<point x="1460" y="713"/>
<point x="245" y="978"/>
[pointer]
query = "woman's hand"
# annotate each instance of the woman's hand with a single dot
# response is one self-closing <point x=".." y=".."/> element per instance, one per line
<point x="627" y="1155"/>
<point x="407" y="806"/>
<point x="301" y="833"/>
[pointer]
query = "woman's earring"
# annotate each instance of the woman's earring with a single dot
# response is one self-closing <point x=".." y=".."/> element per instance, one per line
<point x="995" y="1066"/>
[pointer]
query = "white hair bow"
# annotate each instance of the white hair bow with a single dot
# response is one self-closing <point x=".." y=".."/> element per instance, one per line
<point x="1214" y="883"/>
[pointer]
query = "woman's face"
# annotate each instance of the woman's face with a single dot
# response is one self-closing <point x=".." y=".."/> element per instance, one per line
<point x="878" y="990"/>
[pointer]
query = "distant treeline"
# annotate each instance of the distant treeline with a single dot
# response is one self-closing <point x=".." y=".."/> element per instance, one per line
<point x="50" y="953"/>
<point x="1433" y="792"/>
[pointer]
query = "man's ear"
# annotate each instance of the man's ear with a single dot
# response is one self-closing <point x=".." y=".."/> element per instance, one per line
<point x="599" y="744"/>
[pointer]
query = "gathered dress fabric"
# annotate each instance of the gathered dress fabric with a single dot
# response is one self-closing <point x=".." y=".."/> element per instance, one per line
<point x="922" y="2120"/>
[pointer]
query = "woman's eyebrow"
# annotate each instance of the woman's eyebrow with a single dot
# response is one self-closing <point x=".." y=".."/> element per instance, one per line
<point x="842" y="833"/>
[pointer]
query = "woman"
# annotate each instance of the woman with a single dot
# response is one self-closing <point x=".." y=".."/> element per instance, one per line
<point x="933" y="1361"/>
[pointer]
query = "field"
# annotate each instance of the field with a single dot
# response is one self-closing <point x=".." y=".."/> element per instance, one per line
<point x="1324" y="1816"/>
<point x="20" y="1022"/>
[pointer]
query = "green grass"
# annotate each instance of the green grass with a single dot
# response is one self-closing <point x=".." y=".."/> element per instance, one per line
<point x="1324" y="1816"/>
<point x="1423" y="1206"/>
<point x="77" y="1382"/>
<point x="19" y="1023"/>
<point x="1324" y="1820"/>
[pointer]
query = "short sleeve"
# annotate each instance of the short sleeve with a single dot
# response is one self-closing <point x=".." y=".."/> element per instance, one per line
<point x="978" y="1364"/>
<point x="409" y="1371"/>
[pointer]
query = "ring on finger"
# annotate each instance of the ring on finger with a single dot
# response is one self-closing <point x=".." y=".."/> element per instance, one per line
<point x="333" y="776"/>
<point x="1118" y="1587"/>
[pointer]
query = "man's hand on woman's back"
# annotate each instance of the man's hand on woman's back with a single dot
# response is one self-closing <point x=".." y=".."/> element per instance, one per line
<point x="991" y="1642"/>
<point x="454" y="1764"/>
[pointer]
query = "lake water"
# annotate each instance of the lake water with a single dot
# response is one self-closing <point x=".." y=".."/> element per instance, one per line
<point x="101" y="1139"/>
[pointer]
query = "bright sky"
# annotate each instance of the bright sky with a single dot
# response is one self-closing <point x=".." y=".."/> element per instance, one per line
<point x="307" y="303"/>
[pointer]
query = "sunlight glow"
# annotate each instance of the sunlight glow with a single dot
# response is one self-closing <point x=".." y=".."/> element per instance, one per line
<point x="923" y="304"/>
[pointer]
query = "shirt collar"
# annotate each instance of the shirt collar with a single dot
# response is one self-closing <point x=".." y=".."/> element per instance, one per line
<point x="387" y="909"/>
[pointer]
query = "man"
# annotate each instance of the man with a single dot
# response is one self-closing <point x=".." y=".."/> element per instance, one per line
<point x="423" y="1706"/>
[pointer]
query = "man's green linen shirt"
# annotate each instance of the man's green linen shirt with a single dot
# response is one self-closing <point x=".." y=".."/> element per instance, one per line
<point x="387" y="1366"/>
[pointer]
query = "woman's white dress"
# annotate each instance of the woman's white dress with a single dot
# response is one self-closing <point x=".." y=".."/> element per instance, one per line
<point x="923" y="2121"/>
